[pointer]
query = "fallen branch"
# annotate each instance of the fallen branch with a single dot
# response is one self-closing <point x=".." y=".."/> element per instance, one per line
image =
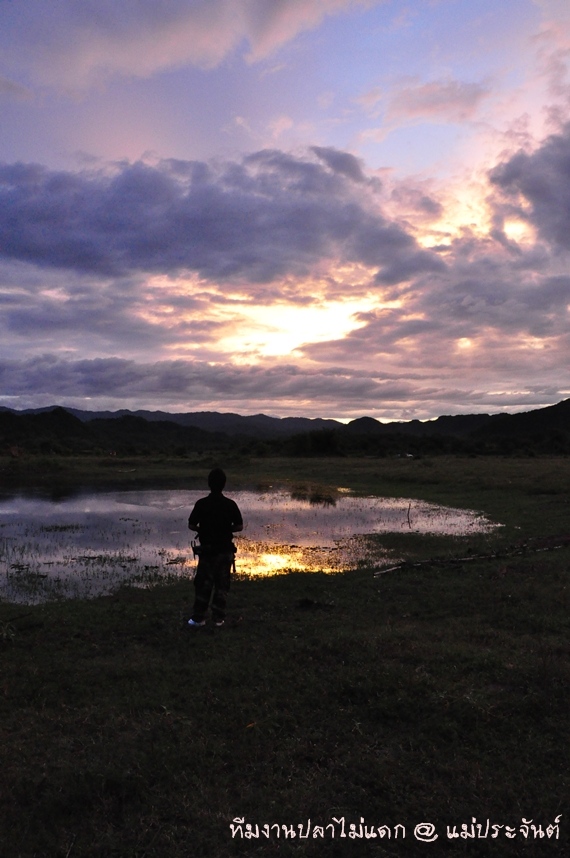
<point x="545" y="543"/>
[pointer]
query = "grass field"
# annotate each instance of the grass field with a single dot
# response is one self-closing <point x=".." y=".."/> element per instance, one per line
<point x="434" y="694"/>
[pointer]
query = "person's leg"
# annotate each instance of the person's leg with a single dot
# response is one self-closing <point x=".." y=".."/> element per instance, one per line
<point x="203" y="585"/>
<point x="222" y="576"/>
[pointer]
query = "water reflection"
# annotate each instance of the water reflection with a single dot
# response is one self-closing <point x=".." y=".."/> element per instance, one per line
<point x="88" y="544"/>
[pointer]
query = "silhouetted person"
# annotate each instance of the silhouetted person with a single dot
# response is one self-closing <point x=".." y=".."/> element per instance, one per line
<point x="215" y="519"/>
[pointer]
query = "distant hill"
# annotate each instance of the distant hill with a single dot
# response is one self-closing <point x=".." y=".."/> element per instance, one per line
<point x="544" y="430"/>
<point x="258" y="425"/>
<point x="58" y="430"/>
<point x="552" y="418"/>
<point x="20" y="428"/>
<point x="462" y="424"/>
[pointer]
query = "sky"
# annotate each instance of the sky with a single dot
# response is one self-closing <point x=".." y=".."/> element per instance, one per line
<point x="320" y="208"/>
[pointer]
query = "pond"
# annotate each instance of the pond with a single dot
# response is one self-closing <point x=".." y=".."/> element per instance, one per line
<point x="89" y="544"/>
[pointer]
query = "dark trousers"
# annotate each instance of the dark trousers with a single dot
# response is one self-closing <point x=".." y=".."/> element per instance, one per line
<point x="213" y="574"/>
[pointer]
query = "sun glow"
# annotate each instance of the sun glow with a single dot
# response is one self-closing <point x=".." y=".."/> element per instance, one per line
<point x="536" y="343"/>
<point x="464" y="343"/>
<point x="465" y="212"/>
<point x="519" y="231"/>
<point x="229" y="320"/>
<point x="283" y="328"/>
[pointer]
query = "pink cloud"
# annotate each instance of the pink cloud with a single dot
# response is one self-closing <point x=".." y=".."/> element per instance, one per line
<point x="270" y="25"/>
<point x="450" y="101"/>
<point x="87" y="42"/>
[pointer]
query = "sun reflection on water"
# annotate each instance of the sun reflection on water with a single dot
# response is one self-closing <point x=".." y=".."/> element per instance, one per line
<point x="259" y="558"/>
<point x="266" y="563"/>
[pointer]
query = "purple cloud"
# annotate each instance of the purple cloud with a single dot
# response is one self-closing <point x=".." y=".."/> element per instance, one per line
<point x="542" y="179"/>
<point x="265" y="217"/>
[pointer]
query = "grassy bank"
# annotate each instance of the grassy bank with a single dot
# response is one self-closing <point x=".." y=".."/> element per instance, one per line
<point x="434" y="694"/>
<point x="450" y="479"/>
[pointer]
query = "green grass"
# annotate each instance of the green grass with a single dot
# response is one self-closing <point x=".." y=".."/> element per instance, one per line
<point x="432" y="694"/>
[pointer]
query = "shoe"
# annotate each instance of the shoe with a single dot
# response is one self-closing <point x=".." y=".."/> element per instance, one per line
<point x="196" y="624"/>
<point x="219" y="623"/>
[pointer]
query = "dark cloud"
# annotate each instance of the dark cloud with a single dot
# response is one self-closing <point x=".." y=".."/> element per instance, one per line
<point x="406" y="266"/>
<point x="257" y="220"/>
<point x="284" y="390"/>
<point x="542" y="179"/>
<point x="182" y="380"/>
<point x="341" y="162"/>
<point x="419" y="203"/>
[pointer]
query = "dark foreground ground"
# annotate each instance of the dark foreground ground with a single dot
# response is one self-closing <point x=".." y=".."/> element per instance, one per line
<point x="435" y="694"/>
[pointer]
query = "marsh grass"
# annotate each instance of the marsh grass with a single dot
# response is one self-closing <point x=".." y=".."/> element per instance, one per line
<point x="314" y="494"/>
<point x="433" y="694"/>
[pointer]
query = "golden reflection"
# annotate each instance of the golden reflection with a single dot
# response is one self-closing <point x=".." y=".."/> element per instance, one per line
<point x="267" y="558"/>
<point x="259" y="559"/>
<point x="271" y="563"/>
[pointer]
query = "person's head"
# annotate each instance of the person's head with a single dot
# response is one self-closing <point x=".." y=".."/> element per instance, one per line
<point x="216" y="480"/>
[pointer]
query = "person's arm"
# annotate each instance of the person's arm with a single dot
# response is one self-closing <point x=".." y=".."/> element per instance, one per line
<point x="238" y="520"/>
<point x="193" y="521"/>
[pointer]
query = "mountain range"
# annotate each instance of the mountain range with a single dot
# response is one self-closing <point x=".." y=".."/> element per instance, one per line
<point x="260" y="426"/>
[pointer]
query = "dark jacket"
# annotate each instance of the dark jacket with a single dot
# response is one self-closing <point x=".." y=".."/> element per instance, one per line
<point x="216" y="517"/>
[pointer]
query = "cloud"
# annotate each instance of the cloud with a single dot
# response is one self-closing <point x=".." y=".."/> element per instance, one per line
<point x="71" y="45"/>
<point x="538" y="184"/>
<point x="418" y="203"/>
<point x="176" y="380"/>
<point x="434" y="101"/>
<point x="447" y="101"/>
<point x="165" y="259"/>
<point x="341" y="162"/>
<point x="189" y="386"/>
<point x="556" y="10"/>
<point x="11" y="89"/>
<point x="256" y="220"/>
<point x="496" y="317"/>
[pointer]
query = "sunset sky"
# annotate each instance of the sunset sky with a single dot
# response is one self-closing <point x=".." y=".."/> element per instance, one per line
<point x="329" y="208"/>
